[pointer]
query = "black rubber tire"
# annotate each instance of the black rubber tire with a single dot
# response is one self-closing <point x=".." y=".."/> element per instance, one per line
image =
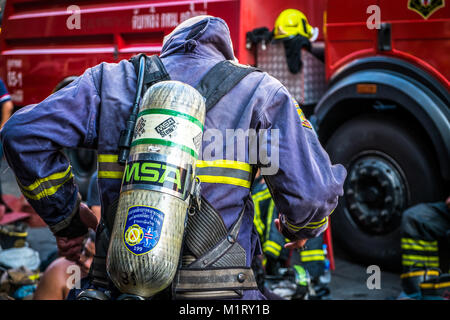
<point x="374" y="132"/>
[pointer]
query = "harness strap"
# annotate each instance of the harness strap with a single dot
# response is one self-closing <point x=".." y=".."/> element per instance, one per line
<point x="212" y="256"/>
<point x="154" y="70"/>
<point x="218" y="81"/>
<point x="97" y="272"/>
<point x="214" y="283"/>
<point x="199" y="238"/>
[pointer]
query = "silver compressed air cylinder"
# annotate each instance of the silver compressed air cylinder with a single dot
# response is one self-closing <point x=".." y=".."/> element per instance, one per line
<point x="146" y="238"/>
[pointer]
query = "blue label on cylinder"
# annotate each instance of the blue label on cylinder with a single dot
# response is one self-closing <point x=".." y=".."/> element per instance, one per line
<point x="142" y="229"/>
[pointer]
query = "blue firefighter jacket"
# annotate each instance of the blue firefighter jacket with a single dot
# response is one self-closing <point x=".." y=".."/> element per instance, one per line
<point x="92" y="110"/>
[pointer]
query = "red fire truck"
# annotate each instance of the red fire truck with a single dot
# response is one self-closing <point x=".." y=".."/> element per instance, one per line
<point x="377" y="96"/>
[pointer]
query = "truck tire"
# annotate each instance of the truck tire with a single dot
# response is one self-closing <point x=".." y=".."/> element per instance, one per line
<point x="389" y="168"/>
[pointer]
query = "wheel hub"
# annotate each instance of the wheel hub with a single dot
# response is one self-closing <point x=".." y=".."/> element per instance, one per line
<point x="375" y="193"/>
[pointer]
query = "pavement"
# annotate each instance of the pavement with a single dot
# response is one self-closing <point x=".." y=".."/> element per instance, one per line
<point x="348" y="280"/>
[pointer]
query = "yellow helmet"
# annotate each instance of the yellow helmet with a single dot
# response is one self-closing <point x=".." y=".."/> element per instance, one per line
<point x="292" y="22"/>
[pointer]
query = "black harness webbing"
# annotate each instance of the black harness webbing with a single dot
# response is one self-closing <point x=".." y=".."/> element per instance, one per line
<point x="218" y="81"/>
<point x="219" y="260"/>
<point x="154" y="70"/>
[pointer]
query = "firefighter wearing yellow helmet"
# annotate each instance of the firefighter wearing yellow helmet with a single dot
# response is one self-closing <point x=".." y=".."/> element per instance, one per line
<point x="292" y="22"/>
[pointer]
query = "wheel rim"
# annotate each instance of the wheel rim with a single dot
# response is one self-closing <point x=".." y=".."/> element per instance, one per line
<point x="375" y="193"/>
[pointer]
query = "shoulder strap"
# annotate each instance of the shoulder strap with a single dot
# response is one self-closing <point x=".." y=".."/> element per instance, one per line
<point x="154" y="70"/>
<point x="218" y="81"/>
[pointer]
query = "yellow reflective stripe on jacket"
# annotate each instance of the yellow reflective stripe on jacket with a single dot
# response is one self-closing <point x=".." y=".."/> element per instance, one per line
<point x="419" y="273"/>
<point x="313" y="258"/>
<point x="231" y="164"/>
<point x="411" y="260"/>
<point x="421" y="258"/>
<point x="434" y="285"/>
<point x="270" y="211"/>
<point x="259" y="196"/>
<point x="311" y="252"/>
<point x="415" y="244"/>
<point x="107" y="158"/>
<point x="409" y="263"/>
<point x="257" y="220"/>
<point x="272" y="247"/>
<point x="418" y="247"/>
<point x="47" y="186"/>
<point x="225" y="171"/>
<point x="312" y="255"/>
<point x="108" y="167"/>
<point x="311" y="225"/>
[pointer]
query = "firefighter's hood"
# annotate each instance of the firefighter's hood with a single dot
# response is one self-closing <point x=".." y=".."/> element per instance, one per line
<point x="205" y="36"/>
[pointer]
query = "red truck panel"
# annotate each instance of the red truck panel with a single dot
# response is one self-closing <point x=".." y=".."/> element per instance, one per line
<point x="36" y="60"/>
<point x="38" y="50"/>
<point x="422" y="42"/>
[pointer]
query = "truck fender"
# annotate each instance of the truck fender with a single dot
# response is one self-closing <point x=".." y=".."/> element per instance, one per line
<point x="430" y="111"/>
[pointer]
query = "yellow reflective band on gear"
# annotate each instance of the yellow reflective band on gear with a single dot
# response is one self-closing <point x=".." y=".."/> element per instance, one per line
<point x="273" y="244"/>
<point x="311" y="225"/>
<point x="408" y="263"/>
<point x="108" y="167"/>
<point x="269" y="248"/>
<point x="419" y="273"/>
<point x="419" y="258"/>
<point x="312" y="255"/>
<point x="34" y="277"/>
<point x="257" y="198"/>
<point x="225" y="171"/>
<point x="265" y="194"/>
<point x="257" y="220"/>
<point x="434" y="285"/>
<point x="269" y="218"/>
<point x="225" y="164"/>
<point x="313" y="258"/>
<point x="311" y="252"/>
<point x="225" y="180"/>
<point x="418" y="247"/>
<point x="38" y="182"/>
<point x="419" y="242"/>
<point x="46" y="186"/>
<point x="107" y="158"/>
<point x="15" y="234"/>
<point x="110" y="174"/>
<point x="416" y="260"/>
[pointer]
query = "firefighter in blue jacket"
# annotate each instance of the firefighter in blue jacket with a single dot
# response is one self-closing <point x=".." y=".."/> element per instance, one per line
<point x="275" y="256"/>
<point x="92" y="110"/>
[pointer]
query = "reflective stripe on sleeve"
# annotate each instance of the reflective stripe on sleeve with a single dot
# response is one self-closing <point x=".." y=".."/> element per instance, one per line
<point x="419" y="245"/>
<point x="419" y="273"/>
<point x="272" y="247"/>
<point x="312" y="255"/>
<point x="419" y="260"/>
<point x="311" y="225"/>
<point x="47" y="186"/>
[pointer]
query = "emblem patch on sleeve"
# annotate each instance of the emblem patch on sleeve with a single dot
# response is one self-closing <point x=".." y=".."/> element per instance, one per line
<point x="142" y="229"/>
<point x="301" y="115"/>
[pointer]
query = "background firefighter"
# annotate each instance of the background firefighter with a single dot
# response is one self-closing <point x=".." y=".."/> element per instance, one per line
<point x="425" y="240"/>
<point x="312" y="256"/>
